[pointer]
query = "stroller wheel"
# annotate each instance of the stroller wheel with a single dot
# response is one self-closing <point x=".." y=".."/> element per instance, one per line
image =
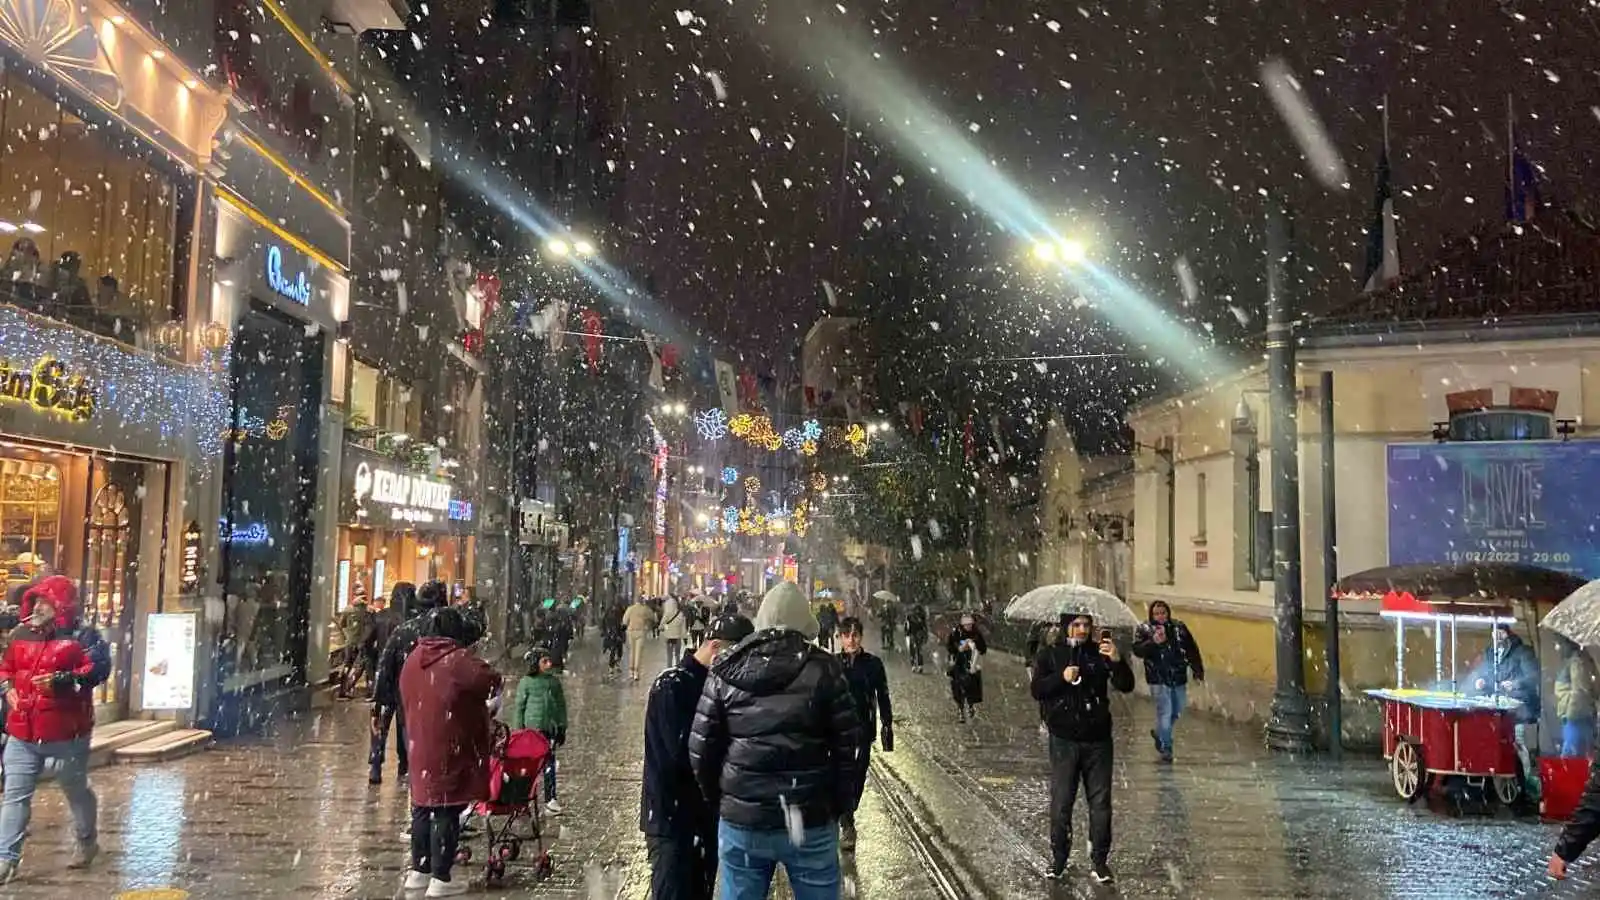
<point x="495" y="872"/>
<point x="511" y="849"/>
<point x="463" y="854"/>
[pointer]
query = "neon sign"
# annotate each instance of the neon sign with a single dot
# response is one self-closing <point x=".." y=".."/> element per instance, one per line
<point x="297" y="289"/>
<point x="253" y="534"/>
<point x="48" y="388"/>
<point x="460" y="511"/>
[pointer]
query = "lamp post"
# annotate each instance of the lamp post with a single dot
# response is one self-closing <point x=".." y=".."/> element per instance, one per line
<point x="1289" y="726"/>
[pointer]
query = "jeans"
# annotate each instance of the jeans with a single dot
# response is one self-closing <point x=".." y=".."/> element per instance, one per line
<point x="1577" y="736"/>
<point x="24" y="762"/>
<point x="1170" y="700"/>
<point x="1090" y="763"/>
<point x="684" y="866"/>
<point x="674" y="650"/>
<point x="435" y="832"/>
<point x="550" y="776"/>
<point x="380" y="741"/>
<point x="864" y="757"/>
<point x="750" y="859"/>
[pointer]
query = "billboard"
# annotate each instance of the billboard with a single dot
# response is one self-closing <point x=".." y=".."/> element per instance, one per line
<point x="1531" y="502"/>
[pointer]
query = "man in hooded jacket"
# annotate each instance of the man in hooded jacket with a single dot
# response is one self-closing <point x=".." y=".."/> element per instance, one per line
<point x="445" y="688"/>
<point x="50" y="670"/>
<point x="774" y="747"/>
<point x="1072" y="678"/>
<point x="386" y="708"/>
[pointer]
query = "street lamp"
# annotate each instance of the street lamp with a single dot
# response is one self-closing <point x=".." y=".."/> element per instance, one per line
<point x="583" y="247"/>
<point x="558" y="247"/>
<point x="1069" y="251"/>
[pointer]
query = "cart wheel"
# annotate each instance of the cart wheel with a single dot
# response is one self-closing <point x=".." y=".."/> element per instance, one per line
<point x="495" y="873"/>
<point x="464" y="854"/>
<point x="545" y="867"/>
<point x="512" y="849"/>
<point x="1410" y="778"/>
<point x="1508" y="789"/>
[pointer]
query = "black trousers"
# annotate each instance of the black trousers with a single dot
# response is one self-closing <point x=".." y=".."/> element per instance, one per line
<point x="380" y="741"/>
<point x="682" y="867"/>
<point x="848" y="820"/>
<point x="916" y="650"/>
<point x="435" y="833"/>
<point x="1072" y="763"/>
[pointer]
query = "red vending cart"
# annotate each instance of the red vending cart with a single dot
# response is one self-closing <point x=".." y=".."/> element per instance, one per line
<point x="1438" y="729"/>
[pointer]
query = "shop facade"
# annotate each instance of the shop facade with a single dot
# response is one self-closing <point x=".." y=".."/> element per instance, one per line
<point x="111" y="403"/>
<point x="398" y="524"/>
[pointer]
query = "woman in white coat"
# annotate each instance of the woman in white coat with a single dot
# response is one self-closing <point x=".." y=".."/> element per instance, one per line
<point x="675" y="628"/>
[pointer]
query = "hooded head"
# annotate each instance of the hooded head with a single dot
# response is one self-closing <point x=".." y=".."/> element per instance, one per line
<point x="403" y="598"/>
<point x="447" y="622"/>
<point x="785" y="607"/>
<point x="432" y="595"/>
<point x="60" y="593"/>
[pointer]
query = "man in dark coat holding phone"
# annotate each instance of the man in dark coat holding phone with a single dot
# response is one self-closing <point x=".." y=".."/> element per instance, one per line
<point x="1072" y="679"/>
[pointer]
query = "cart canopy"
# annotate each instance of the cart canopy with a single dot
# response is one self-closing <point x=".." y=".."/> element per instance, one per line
<point x="1477" y="588"/>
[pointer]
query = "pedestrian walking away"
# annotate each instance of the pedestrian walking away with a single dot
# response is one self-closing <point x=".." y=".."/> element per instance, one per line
<point x="50" y="669"/>
<point x="888" y="618"/>
<point x="675" y="626"/>
<point x="827" y="625"/>
<point x="541" y="704"/>
<point x="355" y="629"/>
<point x="680" y="827"/>
<point x="1170" y="653"/>
<point x="613" y="637"/>
<point x="445" y="689"/>
<point x="917" y="636"/>
<point x="966" y="646"/>
<point x="387" y="709"/>
<point x="638" y="621"/>
<point x="869" y="690"/>
<point x="774" y="749"/>
<point x="1073" y="678"/>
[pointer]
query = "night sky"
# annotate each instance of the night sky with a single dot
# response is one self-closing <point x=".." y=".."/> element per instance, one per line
<point x="1142" y="119"/>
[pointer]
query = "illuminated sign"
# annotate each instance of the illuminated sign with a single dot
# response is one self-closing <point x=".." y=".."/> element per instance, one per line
<point x="297" y="288"/>
<point x="48" y="388"/>
<point x="253" y="534"/>
<point x="460" y="511"/>
<point x="169" y="656"/>
<point x="406" y="498"/>
<point x="190" y="559"/>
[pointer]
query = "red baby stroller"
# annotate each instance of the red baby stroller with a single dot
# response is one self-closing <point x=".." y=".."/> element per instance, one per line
<point x="511" y="814"/>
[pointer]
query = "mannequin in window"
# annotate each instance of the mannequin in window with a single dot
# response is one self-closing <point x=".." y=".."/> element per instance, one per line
<point x="21" y="274"/>
<point x="69" y="295"/>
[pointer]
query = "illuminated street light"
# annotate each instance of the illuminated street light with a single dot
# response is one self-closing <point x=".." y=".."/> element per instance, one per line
<point x="583" y="247"/>
<point x="1044" y="252"/>
<point x="1073" y="252"/>
<point x="702" y="518"/>
<point x="1069" y="251"/>
<point x="680" y="410"/>
<point x="558" y="247"/>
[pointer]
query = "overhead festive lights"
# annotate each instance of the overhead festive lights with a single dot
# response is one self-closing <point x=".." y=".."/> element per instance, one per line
<point x="730" y="475"/>
<point x="808" y="448"/>
<point x="793" y="438"/>
<point x="752" y="486"/>
<point x="812" y="429"/>
<point x="819" y="481"/>
<point x="712" y="424"/>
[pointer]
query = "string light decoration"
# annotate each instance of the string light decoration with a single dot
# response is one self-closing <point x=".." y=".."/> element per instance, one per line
<point x="756" y="430"/>
<point x="730" y="475"/>
<point x="793" y="438"/>
<point x="811" y="429"/>
<point x="142" y="400"/>
<point x="809" y="448"/>
<point x="819" y="481"/>
<point x="752" y="487"/>
<point x="730" y="519"/>
<point x="856" y="437"/>
<point x="712" y="424"/>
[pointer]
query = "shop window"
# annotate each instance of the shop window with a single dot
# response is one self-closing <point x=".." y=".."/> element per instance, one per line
<point x="1200" y="507"/>
<point x="105" y="585"/>
<point x="30" y="518"/>
<point x="91" y="229"/>
<point x="363" y="395"/>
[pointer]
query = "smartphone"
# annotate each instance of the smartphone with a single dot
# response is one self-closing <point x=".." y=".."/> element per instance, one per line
<point x="1105" y="634"/>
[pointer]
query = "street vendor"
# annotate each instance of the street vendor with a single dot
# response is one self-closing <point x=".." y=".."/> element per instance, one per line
<point x="1510" y="668"/>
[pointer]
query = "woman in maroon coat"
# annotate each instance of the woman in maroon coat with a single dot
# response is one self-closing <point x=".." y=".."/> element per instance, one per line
<point x="445" y="691"/>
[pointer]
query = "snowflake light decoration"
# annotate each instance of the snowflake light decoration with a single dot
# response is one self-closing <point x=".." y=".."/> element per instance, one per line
<point x="752" y="486"/>
<point x="730" y="519"/>
<point x="730" y="475"/>
<point x="793" y="438"/>
<point x="812" y="429"/>
<point x="712" y="424"/>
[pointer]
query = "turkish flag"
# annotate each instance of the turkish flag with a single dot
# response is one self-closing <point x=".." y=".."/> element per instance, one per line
<point x="593" y="327"/>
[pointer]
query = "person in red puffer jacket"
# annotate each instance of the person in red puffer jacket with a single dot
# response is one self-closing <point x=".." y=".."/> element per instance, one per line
<point x="50" y="673"/>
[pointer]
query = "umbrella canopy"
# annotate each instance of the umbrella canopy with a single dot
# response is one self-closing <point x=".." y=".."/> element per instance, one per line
<point x="886" y="597"/>
<point x="1049" y="603"/>
<point x="1577" y="618"/>
<point x="1470" y="583"/>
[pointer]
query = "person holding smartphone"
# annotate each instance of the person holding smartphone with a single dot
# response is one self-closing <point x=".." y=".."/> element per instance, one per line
<point x="1072" y="678"/>
<point x="1170" y="653"/>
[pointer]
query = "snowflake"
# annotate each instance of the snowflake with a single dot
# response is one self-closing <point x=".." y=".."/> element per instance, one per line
<point x="712" y="424"/>
<point x="730" y="475"/>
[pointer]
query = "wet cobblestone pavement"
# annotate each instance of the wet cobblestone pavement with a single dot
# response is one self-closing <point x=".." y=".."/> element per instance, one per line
<point x="293" y="816"/>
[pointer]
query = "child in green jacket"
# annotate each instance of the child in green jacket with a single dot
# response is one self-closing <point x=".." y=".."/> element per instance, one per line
<point x="542" y="705"/>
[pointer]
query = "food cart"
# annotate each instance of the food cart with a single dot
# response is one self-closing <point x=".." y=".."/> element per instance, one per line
<point x="1445" y="728"/>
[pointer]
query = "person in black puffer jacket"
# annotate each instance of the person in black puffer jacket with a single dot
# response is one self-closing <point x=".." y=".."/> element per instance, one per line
<point x="1169" y="652"/>
<point x="386" y="707"/>
<point x="1072" y="677"/>
<point x="774" y="747"/>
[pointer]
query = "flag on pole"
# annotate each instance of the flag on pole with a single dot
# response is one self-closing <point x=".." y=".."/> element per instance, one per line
<point x="652" y="343"/>
<point x="727" y="387"/>
<point x="1522" y="179"/>
<point x="1383" y="240"/>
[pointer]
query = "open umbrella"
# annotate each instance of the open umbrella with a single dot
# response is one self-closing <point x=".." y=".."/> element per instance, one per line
<point x="1577" y="618"/>
<point x="886" y="597"/>
<point x="1049" y="603"/>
